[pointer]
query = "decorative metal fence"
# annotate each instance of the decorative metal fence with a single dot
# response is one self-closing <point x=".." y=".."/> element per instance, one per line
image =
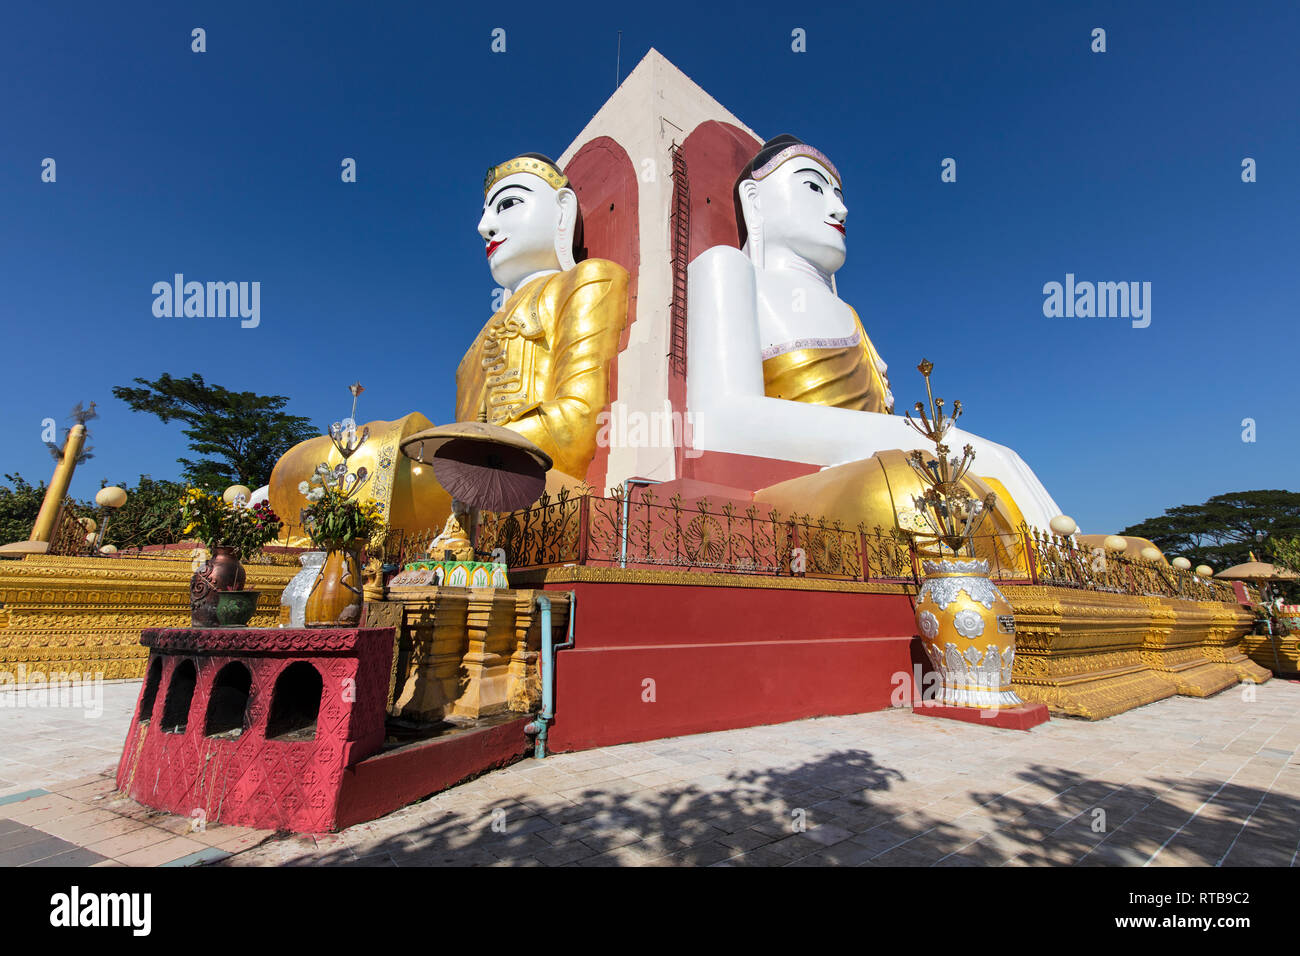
<point x="1060" y="561"/>
<point x="69" y="534"/>
<point x="636" y="530"/>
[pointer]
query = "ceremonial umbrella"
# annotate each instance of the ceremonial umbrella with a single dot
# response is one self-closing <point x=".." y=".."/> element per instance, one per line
<point x="485" y="466"/>
<point x="1260" y="572"/>
<point x="1257" y="571"/>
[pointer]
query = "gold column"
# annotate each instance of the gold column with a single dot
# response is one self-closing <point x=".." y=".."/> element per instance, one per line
<point x="438" y="634"/>
<point x="491" y="626"/>
<point x="43" y="529"/>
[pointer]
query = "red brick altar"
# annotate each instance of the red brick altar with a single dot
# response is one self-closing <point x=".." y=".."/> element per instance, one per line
<point x="256" y="726"/>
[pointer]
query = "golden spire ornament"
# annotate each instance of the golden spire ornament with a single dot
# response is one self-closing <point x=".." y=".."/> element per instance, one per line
<point x="356" y="389"/>
<point x="966" y="625"/>
<point x="952" y="513"/>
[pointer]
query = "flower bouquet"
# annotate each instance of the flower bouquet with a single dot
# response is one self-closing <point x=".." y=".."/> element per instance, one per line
<point x="231" y="534"/>
<point x="340" y="523"/>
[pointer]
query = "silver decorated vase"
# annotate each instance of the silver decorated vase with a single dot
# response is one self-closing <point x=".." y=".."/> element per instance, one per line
<point x="968" y="630"/>
<point x="299" y="587"/>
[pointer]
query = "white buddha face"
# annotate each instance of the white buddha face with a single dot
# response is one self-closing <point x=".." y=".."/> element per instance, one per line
<point x="802" y="211"/>
<point x="522" y="216"/>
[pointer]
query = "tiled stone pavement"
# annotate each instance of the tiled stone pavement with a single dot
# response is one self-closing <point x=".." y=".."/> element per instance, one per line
<point x="57" y="800"/>
<point x="1179" y="782"/>
<point x="85" y="823"/>
<point x="43" y="746"/>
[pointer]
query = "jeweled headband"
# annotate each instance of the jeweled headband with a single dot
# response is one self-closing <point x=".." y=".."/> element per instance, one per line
<point x="527" y="163"/>
<point x="796" y="149"/>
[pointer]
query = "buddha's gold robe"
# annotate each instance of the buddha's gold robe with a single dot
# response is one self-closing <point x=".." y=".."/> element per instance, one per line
<point x="844" y="373"/>
<point x="541" y="365"/>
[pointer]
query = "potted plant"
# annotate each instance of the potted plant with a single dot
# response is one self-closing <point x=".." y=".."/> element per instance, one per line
<point x="230" y="533"/>
<point x="339" y="523"/>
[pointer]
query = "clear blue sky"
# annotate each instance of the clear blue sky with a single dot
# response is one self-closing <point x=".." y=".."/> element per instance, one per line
<point x="225" y="166"/>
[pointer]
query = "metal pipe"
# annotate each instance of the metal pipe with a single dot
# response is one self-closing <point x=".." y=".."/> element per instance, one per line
<point x="103" y="527"/>
<point x="627" y="498"/>
<point x="539" y="726"/>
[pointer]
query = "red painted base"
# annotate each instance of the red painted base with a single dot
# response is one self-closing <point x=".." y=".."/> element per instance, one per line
<point x="383" y="783"/>
<point x="665" y="660"/>
<point x="1023" y="717"/>
<point x="226" y="732"/>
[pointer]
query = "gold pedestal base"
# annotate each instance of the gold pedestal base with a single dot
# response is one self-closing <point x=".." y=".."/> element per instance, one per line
<point x="469" y="652"/>
<point x="1093" y="654"/>
<point x="1277" y="655"/>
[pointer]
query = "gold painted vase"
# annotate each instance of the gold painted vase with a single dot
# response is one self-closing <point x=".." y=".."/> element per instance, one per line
<point x="335" y="598"/>
<point x="968" y="630"/>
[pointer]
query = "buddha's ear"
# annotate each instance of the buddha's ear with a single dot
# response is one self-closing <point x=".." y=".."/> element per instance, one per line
<point x="567" y="201"/>
<point x="750" y="210"/>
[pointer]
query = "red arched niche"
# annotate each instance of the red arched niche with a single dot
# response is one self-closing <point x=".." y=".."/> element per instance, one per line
<point x="715" y="153"/>
<point x="604" y="179"/>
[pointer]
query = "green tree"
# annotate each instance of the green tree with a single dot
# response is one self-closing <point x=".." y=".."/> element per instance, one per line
<point x="246" y="432"/>
<point x="1224" y="530"/>
<point x="19" y="506"/>
<point x="1286" y="552"/>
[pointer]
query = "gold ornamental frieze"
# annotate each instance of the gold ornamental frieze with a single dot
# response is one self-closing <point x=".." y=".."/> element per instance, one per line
<point x="1094" y="654"/>
<point x="1177" y="651"/>
<point x="1226" y="644"/>
<point x="85" y="614"/>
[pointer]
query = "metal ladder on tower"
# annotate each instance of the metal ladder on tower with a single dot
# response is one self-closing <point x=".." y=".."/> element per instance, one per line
<point x="680" y="230"/>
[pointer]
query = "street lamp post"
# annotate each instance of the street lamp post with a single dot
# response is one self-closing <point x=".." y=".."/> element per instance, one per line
<point x="110" y="499"/>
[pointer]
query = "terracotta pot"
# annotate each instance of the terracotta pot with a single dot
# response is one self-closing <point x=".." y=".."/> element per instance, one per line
<point x="235" y="608"/>
<point x="335" y="598"/>
<point x="968" y="630"/>
<point x="221" y="572"/>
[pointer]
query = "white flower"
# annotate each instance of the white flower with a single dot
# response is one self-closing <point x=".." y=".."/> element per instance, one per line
<point x="929" y="625"/>
<point x="968" y="623"/>
<point x="303" y="487"/>
<point x="316" y="494"/>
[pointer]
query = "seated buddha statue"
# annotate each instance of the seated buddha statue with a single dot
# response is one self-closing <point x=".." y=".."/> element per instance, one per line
<point x="780" y="367"/>
<point x="540" y="366"/>
<point x="455" y="536"/>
